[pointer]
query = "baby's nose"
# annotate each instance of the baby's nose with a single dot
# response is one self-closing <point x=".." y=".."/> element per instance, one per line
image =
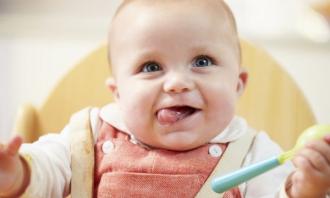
<point x="178" y="82"/>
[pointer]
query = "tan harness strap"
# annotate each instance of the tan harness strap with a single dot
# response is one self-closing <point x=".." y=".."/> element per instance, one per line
<point x="228" y="163"/>
<point x="82" y="155"/>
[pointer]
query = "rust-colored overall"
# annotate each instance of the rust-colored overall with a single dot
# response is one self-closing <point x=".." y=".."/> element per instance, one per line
<point x="131" y="170"/>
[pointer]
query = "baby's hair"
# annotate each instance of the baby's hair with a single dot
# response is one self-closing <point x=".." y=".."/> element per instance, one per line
<point x="228" y="13"/>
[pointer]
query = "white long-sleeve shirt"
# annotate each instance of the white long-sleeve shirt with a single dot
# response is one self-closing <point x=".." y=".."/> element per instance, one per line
<point x="50" y="159"/>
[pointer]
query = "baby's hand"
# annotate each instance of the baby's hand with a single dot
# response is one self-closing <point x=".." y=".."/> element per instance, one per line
<point x="11" y="167"/>
<point x="312" y="177"/>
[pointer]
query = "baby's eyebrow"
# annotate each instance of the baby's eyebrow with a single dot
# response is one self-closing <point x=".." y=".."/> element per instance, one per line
<point x="205" y="48"/>
<point x="201" y="48"/>
<point x="142" y="56"/>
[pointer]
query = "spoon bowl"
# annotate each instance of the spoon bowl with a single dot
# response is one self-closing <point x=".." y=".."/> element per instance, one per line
<point x="315" y="132"/>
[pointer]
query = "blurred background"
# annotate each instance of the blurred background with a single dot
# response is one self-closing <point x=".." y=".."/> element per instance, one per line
<point x="40" y="40"/>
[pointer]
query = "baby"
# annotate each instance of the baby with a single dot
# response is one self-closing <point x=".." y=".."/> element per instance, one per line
<point x="176" y="80"/>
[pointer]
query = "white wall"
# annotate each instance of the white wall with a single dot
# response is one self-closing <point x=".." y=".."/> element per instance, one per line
<point x="40" y="41"/>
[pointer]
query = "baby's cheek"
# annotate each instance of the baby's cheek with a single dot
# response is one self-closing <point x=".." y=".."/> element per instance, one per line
<point x="224" y="106"/>
<point x="137" y="117"/>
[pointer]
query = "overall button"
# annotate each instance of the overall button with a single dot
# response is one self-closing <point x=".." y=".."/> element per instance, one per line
<point x="215" y="150"/>
<point x="107" y="147"/>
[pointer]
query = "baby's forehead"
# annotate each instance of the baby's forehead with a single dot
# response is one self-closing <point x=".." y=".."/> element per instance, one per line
<point x="218" y="8"/>
<point x="129" y="10"/>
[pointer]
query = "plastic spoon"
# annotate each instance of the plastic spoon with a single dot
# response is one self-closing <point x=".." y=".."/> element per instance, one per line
<point x="222" y="184"/>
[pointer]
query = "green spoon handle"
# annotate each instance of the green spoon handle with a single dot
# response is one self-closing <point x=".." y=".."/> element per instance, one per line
<point x="233" y="179"/>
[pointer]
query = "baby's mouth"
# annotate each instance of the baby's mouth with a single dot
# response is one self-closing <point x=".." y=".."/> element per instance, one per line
<point x="170" y="115"/>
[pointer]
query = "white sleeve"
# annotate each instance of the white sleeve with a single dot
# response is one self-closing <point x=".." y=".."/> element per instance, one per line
<point x="50" y="162"/>
<point x="267" y="185"/>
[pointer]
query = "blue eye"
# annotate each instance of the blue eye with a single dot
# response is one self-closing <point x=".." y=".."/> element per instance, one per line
<point x="202" y="61"/>
<point x="151" y="67"/>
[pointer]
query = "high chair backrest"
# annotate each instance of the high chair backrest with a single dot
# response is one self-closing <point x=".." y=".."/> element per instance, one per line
<point x="271" y="102"/>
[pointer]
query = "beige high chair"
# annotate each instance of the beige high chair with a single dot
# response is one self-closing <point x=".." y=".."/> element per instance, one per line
<point x="271" y="102"/>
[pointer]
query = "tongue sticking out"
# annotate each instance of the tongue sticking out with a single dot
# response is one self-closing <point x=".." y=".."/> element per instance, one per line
<point x="171" y="115"/>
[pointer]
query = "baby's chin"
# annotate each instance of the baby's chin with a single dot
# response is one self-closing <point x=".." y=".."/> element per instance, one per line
<point x="181" y="147"/>
<point x="174" y="147"/>
<point x="176" y="143"/>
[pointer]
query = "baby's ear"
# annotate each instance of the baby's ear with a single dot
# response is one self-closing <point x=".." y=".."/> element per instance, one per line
<point x="242" y="80"/>
<point x="111" y="84"/>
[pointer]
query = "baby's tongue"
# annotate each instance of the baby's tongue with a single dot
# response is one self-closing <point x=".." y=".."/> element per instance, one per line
<point x="171" y="115"/>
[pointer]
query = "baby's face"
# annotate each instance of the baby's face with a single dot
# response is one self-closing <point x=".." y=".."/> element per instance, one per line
<point x="176" y="73"/>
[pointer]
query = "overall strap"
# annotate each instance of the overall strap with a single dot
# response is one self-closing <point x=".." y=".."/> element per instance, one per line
<point x="82" y="155"/>
<point x="228" y="163"/>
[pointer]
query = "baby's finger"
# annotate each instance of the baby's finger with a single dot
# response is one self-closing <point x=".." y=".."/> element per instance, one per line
<point x="327" y="139"/>
<point x="298" y="181"/>
<point x="14" y="145"/>
<point x="305" y="168"/>
<point x="322" y="147"/>
<point x="302" y="163"/>
<point x="315" y="159"/>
